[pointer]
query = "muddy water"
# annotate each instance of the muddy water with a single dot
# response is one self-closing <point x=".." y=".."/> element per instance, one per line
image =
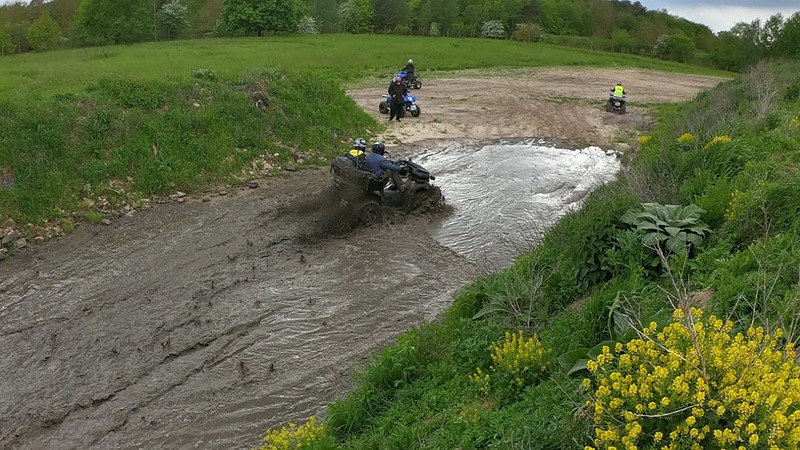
<point x="201" y="325"/>
<point x="506" y="194"/>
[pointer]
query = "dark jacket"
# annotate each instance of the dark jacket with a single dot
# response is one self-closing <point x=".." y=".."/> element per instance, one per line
<point x="398" y="92"/>
<point x="377" y="164"/>
<point x="409" y="68"/>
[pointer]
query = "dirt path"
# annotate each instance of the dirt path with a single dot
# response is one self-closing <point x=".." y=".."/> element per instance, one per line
<point x="202" y="324"/>
<point x="564" y="104"/>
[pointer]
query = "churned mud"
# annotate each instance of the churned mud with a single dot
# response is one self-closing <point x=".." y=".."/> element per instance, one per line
<point x="202" y="324"/>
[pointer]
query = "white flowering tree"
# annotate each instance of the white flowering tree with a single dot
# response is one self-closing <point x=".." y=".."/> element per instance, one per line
<point x="493" y="29"/>
<point x="307" y="25"/>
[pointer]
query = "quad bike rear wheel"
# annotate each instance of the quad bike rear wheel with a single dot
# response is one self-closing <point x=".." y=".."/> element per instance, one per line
<point x="622" y="109"/>
<point x="369" y="212"/>
<point x="417" y="84"/>
<point x="383" y="108"/>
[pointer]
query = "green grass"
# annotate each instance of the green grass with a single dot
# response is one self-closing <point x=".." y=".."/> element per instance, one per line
<point x="345" y="56"/>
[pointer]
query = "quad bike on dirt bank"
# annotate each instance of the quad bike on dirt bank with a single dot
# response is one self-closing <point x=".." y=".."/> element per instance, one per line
<point x="616" y="104"/>
<point x="411" y="82"/>
<point x="367" y="194"/>
<point x="410" y="105"/>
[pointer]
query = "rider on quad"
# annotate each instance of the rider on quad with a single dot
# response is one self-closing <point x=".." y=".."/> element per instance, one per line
<point x="357" y="153"/>
<point x="382" y="167"/>
<point x="409" y="69"/>
<point x="618" y="92"/>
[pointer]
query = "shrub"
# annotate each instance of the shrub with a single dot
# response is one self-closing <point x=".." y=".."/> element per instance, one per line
<point x="294" y="437"/>
<point x="402" y="29"/>
<point x="696" y="384"/>
<point x="528" y="32"/>
<point x="516" y="362"/>
<point x="307" y="25"/>
<point x="678" y="228"/>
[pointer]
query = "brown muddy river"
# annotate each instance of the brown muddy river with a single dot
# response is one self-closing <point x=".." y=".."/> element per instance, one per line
<point x="203" y="324"/>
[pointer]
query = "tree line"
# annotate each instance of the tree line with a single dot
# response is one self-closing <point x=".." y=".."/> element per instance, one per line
<point x="612" y="25"/>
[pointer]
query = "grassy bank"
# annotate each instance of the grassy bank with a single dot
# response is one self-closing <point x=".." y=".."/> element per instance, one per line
<point x="633" y="325"/>
<point x="88" y="132"/>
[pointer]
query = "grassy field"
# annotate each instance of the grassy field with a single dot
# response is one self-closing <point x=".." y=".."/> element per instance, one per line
<point x="346" y="56"/>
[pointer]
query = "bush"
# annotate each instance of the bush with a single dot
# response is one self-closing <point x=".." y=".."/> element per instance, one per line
<point x="291" y="437"/>
<point x="696" y="384"/>
<point x="527" y="32"/>
<point x="516" y="362"/>
<point x="493" y="29"/>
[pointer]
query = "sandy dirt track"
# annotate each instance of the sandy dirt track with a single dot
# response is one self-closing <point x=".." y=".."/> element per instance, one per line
<point x="562" y="104"/>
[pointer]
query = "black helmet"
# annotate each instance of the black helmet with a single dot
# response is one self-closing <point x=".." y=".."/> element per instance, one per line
<point x="379" y="148"/>
<point x="360" y="144"/>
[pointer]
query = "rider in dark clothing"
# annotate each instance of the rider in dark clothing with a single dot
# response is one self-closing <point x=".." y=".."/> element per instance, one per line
<point x="397" y="90"/>
<point x="409" y="69"/>
<point x="382" y="168"/>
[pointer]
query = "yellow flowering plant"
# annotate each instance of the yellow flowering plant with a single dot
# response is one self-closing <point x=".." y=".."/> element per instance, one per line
<point x="686" y="138"/>
<point x="293" y="437"/>
<point x="696" y="384"/>
<point x="718" y="140"/>
<point x="517" y="362"/>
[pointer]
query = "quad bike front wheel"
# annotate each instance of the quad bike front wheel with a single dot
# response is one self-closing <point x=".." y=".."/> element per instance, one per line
<point x="622" y="109"/>
<point x="417" y="84"/>
<point x="383" y="108"/>
<point x="416" y="111"/>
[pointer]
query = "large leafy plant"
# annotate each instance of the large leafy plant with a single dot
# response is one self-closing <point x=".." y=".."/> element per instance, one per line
<point x="672" y="228"/>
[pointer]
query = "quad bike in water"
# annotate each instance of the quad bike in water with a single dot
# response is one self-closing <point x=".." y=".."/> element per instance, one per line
<point x="410" y="105"/>
<point x="411" y="82"/>
<point x="367" y="194"/>
<point x="616" y="104"/>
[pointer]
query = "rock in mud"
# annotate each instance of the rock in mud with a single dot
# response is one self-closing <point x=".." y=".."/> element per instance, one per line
<point x="21" y="243"/>
<point x="12" y="236"/>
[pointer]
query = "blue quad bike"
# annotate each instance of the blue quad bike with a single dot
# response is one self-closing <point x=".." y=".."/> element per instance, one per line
<point x="616" y="104"/>
<point x="410" y="105"/>
<point x="367" y="196"/>
<point x="414" y="82"/>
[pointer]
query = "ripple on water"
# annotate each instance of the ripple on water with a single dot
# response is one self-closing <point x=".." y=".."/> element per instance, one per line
<point x="505" y="195"/>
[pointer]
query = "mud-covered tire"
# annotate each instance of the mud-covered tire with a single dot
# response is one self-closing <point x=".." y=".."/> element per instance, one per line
<point x="383" y="108"/>
<point x="622" y="109"/>
<point x="609" y="107"/>
<point x="416" y="111"/>
<point x="417" y="85"/>
<point x="369" y="212"/>
<point x="424" y="200"/>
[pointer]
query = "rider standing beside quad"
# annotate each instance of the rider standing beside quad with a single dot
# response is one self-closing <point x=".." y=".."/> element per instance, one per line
<point x="398" y="91"/>
<point x="382" y="168"/>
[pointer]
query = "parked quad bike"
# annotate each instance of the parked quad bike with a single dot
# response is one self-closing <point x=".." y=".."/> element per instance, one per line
<point x="414" y="82"/>
<point x="367" y="194"/>
<point x="410" y="105"/>
<point x="616" y="104"/>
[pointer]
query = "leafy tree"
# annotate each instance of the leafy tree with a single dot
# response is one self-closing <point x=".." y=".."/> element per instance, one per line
<point x="172" y="19"/>
<point x="327" y="14"/>
<point x="258" y="16"/>
<point x="680" y="48"/>
<point x="390" y="13"/>
<point x="44" y="33"/>
<point x="6" y="45"/>
<point x="787" y="43"/>
<point x="622" y="41"/>
<point x="104" y="22"/>
<point x="445" y="12"/>
<point x="355" y="16"/>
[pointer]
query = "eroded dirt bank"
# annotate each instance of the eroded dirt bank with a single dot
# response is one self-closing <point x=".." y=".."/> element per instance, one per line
<point x="200" y="325"/>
